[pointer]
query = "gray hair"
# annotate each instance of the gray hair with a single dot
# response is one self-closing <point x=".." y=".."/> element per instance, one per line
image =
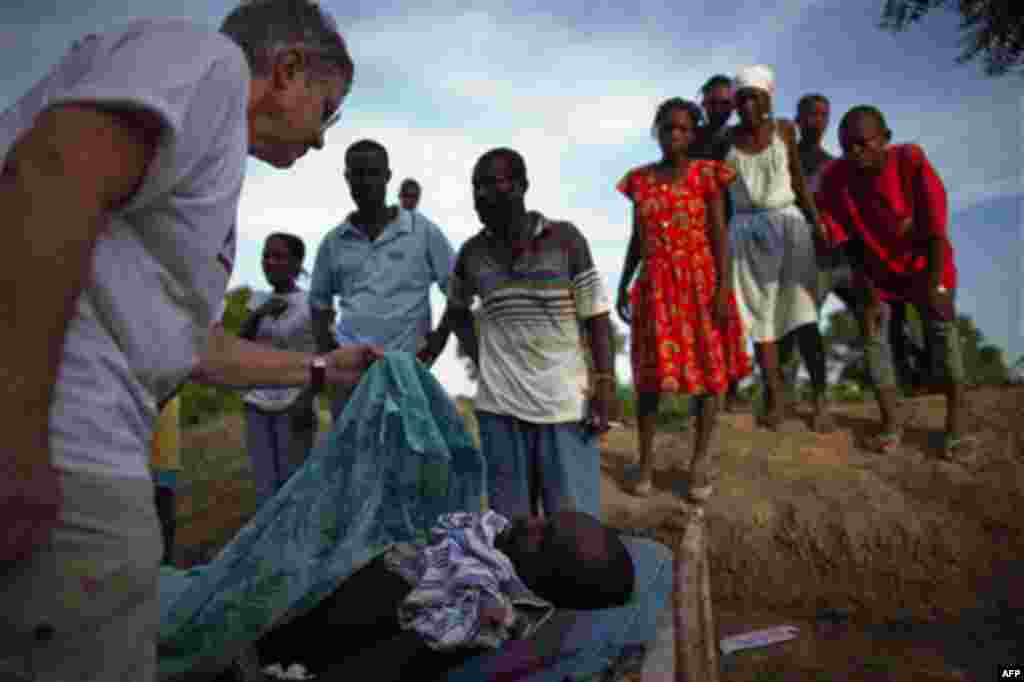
<point x="262" y="28"/>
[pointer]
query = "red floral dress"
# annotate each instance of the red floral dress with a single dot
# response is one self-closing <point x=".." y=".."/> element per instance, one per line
<point x="676" y="345"/>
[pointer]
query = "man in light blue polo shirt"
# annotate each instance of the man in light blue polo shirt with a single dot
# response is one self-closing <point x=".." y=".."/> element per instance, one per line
<point x="380" y="264"/>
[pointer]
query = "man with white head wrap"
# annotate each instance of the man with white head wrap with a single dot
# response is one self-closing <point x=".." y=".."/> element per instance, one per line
<point x="757" y="76"/>
<point x="775" y="269"/>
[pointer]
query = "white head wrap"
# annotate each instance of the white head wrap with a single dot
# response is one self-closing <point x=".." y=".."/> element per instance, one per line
<point x="758" y="76"/>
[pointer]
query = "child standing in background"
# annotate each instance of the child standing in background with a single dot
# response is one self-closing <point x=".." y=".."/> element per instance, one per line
<point x="165" y="463"/>
<point x="280" y="423"/>
<point x="680" y="305"/>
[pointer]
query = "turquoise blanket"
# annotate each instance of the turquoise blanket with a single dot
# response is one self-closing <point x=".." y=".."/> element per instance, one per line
<point x="398" y="457"/>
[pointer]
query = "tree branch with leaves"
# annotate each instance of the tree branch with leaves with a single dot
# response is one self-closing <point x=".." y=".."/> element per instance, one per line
<point x="991" y="29"/>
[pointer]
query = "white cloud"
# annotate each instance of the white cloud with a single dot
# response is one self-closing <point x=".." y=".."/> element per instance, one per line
<point x="578" y="105"/>
<point x="568" y="101"/>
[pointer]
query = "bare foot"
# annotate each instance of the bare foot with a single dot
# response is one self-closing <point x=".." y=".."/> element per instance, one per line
<point x="736" y="404"/>
<point x="642" y="488"/>
<point x="701" y="494"/>
<point x="772" y="419"/>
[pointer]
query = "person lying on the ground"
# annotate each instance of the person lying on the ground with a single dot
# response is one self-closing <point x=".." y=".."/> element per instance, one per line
<point x="417" y="612"/>
<point x="890" y="203"/>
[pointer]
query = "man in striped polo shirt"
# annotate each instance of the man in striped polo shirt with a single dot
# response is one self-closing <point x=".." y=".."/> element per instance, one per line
<point x="538" y="287"/>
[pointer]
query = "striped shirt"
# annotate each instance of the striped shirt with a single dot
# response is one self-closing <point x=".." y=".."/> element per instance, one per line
<point x="531" y="351"/>
<point x="465" y="592"/>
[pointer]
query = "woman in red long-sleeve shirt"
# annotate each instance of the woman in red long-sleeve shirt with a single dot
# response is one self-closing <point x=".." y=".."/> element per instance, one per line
<point x="889" y="203"/>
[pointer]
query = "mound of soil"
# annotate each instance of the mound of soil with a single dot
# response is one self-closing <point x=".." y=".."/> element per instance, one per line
<point x="925" y="556"/>
<point x="807" y="521"/>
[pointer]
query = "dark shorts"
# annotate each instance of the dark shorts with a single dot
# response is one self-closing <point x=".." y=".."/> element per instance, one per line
<point x="558" y="464"/>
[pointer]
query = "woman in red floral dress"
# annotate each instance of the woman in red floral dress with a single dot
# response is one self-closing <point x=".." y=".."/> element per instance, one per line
<point x="680" y="306"/>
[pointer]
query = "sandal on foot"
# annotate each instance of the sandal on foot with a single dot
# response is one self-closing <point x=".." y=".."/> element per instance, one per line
<point x="643" y="488"/>
<point x="886" y="442"/>
<point x="736" y="405"/>
<point x="701" y="494"/>
<point x="770" y="421"/>
<point x="956" y="445"/>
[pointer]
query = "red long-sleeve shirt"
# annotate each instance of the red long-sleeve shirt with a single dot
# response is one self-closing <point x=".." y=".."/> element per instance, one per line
<point x="877" y="213"/>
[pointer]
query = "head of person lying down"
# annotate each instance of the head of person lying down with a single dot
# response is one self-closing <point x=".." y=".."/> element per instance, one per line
<point x="570" y="559"/>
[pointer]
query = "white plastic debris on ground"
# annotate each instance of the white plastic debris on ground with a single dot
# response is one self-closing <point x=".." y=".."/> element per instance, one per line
<point x="759" y="638"/>
<point x="659" y="665"/>
<point x="295" y="671"/>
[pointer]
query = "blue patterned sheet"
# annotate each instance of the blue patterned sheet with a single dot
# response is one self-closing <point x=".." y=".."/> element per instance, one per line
<point x="398" y="458"/>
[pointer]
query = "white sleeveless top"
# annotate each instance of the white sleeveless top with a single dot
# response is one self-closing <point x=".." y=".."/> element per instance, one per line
<point x="293" y="330"/>
<point x="763" y="180"/>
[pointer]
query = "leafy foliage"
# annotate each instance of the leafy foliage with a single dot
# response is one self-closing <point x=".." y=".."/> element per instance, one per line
<point x="983" y="362"/>
<point x="991" y="29"/>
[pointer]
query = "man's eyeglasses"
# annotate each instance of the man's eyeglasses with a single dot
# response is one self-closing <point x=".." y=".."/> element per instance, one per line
<point x="330" y="116"/>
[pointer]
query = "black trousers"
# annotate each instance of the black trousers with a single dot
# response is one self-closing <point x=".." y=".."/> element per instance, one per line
<point x="354" y="634"/>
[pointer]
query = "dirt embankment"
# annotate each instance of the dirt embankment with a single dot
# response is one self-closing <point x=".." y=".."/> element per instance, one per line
<point x="799" y="522"/>
<point x="802" y="521"/>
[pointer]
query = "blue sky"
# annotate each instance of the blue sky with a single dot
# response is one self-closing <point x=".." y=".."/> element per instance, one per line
<point x="574" y="86"/>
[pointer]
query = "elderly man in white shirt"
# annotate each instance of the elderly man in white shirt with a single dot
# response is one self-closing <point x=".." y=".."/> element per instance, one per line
<point x="121" y="174"/>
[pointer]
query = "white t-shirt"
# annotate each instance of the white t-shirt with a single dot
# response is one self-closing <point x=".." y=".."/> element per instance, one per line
<point x="161" y="267"/>
<point x="293" y="330"/>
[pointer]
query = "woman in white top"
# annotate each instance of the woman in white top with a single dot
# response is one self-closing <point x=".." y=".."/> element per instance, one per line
<point x="773" y="228"/>
<point x="280" y="422"/>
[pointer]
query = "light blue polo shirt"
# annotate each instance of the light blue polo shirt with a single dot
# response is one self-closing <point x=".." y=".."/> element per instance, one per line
<point x="383" y="286"/>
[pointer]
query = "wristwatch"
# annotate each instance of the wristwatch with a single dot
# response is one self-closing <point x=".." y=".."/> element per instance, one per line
<point x="317" y="373"/>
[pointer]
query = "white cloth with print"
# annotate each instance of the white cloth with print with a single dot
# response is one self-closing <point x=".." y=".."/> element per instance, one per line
<point x="465" y="591"/>
<point x="292" y="330"/>
<point x="161" y="267"/>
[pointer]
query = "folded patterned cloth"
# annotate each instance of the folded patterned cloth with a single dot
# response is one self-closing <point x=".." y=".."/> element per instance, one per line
<point x="465" y="592"/>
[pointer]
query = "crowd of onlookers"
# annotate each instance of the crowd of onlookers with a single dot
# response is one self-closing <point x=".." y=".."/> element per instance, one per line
<point x="122" y="171"/>
<point x="746" y="229"/>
